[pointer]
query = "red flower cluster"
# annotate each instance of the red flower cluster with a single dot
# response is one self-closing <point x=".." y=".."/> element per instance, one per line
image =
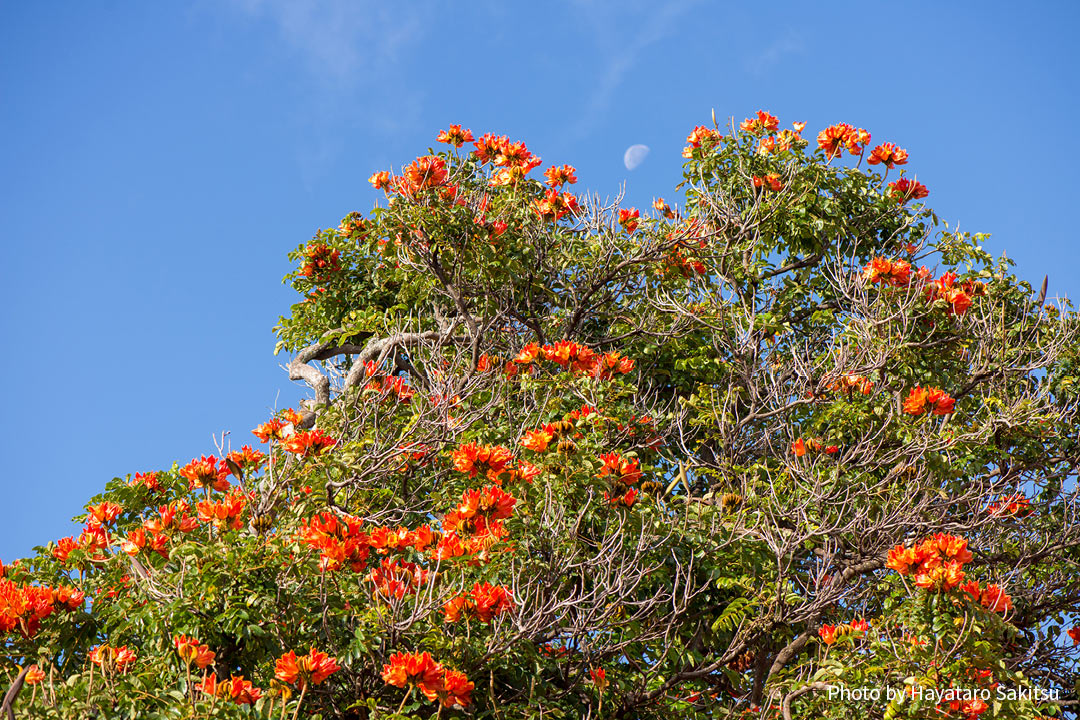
<point x="935" y="400"/>
<point x="449" y="687"/>
<point x="148" y="480"/>
<point x="23" y="607"/>
<point x="513" y="158"/>
<point x="849" y="382"/>
<point x="970" y="709"/>
<point x="224" y="514"/>
<point x="831" y="633"/>
<point x="622" y="474"/>
<point x="577" y="358"/>
<point x="763" y="123"/>
<point x="554" y="205"/>
<point x="340" y="541"/>
<point x="898" y="273"/>
<point x="888" y="154"/>
<point x="205" y="473"/>
<point x="472" y="457"/>
<point x="392" y="385"/>
<point x="598" y="678"/>
<point x="478" y="510"/>
<point x="835" y="138"/>
<point x="771" y="181"/>
<point x="351" y="226"/>
<point x="455" y="136"/>
<point x="312" y="668"/>
<point x="112" y="659"/>
<point x="559" y="176"/>
<point x="102" y="514"/>
<point x="663" y="208"/>
<point x="992" y="597"/>
<point x="903" y="190"/>
<point x="628" y="220"/>
<point x="800" y="447"/>
<point x="782" y="141"/>
<point x="235" y="689"/>
<point x="191" y="651"/>
<point x="423" y="173"/>
<point x="308" y="443"/>
<point x="1011" y="506"/>
<point x="249" y="459"/>
<point x="319" y="262"/>
<point x="891" y="272"/>
<point x="1074" y="633"/>
<point x="270" y="430"/>
<point x="959" y="297"/>
<point x="394" y="579"/>
<point x="484" y="602"/>
<point x="937" y="563"/>
<point x="700" y="137"/>
<point x="380" y="180"/>
<point x="539" y="439"/>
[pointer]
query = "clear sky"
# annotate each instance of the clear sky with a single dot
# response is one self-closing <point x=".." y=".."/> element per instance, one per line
<point x="159" y="159"/>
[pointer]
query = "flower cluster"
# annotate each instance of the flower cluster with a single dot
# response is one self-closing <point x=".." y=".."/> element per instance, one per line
<point x="628" y="220"/>
<point x="835" y="138"/>
<point x="340" y="541"/>
<point x="319" y="262"/>
<point x="438" y="684"/>
<point x="903" y="190"/>
<point x="850" y="382"/>
<point x="800" y="447"/>
<point x="771" y="181"/>
<point x="112" y="659"/>
<point x="23" y="607"/>
<point x="424" y="173"/>
<point x="223" y="514"/>
<point x="621" y="473"/>
<point x="494" y="460"/>
<point x="574" y="357"/>
<point x="887" y="154"/>
<point x="394" y="386"/>
<point x="352" y="226"/>
<point x="992" y="597"/>
<point x="236" y="689"/>
<point x="555" y="205"/>
<point x="479" y="510"/>
<point x="191" y="651"/>
<point x="829" y="634"/>
<point x="247" y="459"/>
<point x="936" y="563"/>
<point x="1016" y="505"/>
<point x="313" y="668"/>
<point x="558" y="176"/>
<point x="455" y="136"/>
<point x="394" y="579"/>
<point x="934" y="400"/>
<point x="763" y="123"/>
<point x="205" y="473"/>
<point x="308" y="443"/>
<point x="513" y="158"/>
<point x="898" y="273"/>
<point x="700" y="137"/>
<point x="484" y="602"/>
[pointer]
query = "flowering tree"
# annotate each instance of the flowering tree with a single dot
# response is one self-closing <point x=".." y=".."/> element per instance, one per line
<point x="759" y="454"/>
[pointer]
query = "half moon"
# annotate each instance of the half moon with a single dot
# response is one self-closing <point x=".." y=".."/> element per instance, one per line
<point x="634" y="156"/>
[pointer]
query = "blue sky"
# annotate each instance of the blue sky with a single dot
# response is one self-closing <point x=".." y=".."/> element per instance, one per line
<point x="159" y="160"/>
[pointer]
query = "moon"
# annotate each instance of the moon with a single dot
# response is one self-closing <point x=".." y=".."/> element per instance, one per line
<point x="634" y="156"/>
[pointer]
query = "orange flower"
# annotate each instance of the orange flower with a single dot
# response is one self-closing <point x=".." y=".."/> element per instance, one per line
<point x="628" y="219"/>
<point x="471" y="458"/>
<point x="34" y="675"/>
<point x="828" y="634"/>
<point x="68" y="598"/>
<point x="835" y="138"/>
<point x="1011" y="505"/>
<point x="764" y="122"/>
<point x="457" y="689"/>
<point x="558" y="176"/>
<point x="191" y="650"/>
<point x="380" y="180"/>
<point x="599" y="678"/>
<point x="225" y="514"/>
<point x="103" y="513"/>
<point x="455" y="136"/>
<point x="888" y="154"/>
<point x="310" y="443"/>
<point x="663" y="208"/>
<point x="626" y="499"/>
<point x="995" y="599"/>
<point x="148" y="480"/>
<point x="771" y="181"/>
<point x="236" y="689"/>
<point x="903" y="190"/>
<point x="537" y="440"/>
<point x="118" y="659"/>
<point x="314" y="667"/>
<point x="413" y="669"/>
<point x="249" y="459"/>
<point x="270" y="430"/>
<point x="205" y="473"/>
<point x="799" y="447"/>
<point x="1074" y="633"/>
<point x="936" y="400"/>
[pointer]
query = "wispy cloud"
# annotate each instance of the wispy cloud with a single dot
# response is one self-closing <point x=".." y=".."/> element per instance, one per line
<point x="342" y="39"/>
<point x="622" y="53"/>
<point x="790" y="43"/>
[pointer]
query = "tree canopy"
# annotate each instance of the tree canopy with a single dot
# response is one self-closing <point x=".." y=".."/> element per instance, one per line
<point x="755" y="453"/>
